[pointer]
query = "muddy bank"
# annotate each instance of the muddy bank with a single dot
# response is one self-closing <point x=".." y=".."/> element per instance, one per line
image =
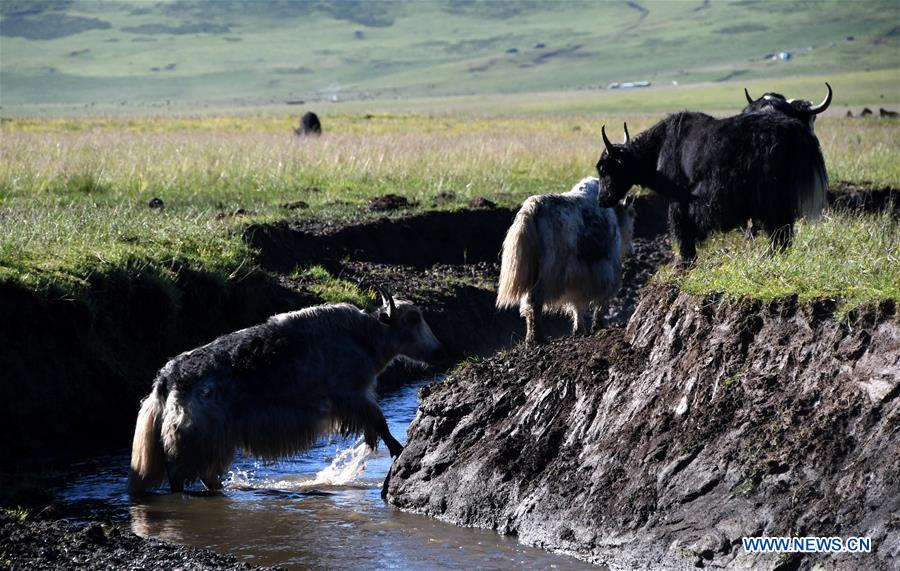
<point x="662" y="445"/>
<point x="75" y="369"/>
<point x="57" y="544"/>
<point x="863" y="197"/>
<point x="458" y="300"/>
<point x="421" y="240"/>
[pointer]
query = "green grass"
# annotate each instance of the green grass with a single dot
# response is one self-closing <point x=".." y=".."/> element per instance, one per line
<point x="253" y="54"/>
<point x="62" y="248"/>
<point x="336" y="290"/>
<point x="851" y="258"/>
<point x="74" y="193"/>
<point x="19" y="513"/>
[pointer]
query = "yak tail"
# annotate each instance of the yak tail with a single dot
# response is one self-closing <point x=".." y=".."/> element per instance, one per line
<point x="812" y="192"/>
<point x="148" y="464"/>
<point x="519" y="265"/>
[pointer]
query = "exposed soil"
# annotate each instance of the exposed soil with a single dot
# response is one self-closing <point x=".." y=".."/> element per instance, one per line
<point x="865" y="198"/>
<point x="388" y="202"/>
<point x="481" y="202"/>
<point x="662" y="445"/>
<point x="420" y="240"/>
<point x="74" y="370"/>
<point x="58" y="544"/>
<point x="79" y="367"/>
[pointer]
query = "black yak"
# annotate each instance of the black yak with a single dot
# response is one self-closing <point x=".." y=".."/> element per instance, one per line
<point x="720" y="173"/>
<point x="271" y="390"/>
<point x="309" y="125"/>
<point x="800" y="109"/>
<point x="563" y="252"/>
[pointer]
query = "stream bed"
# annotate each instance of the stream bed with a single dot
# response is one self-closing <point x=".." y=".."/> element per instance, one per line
<point x="320" y="509"/>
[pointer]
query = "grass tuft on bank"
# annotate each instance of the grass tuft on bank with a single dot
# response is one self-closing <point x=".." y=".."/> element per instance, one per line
<point x="336" y="290"/>
<point x="849" y="257"/>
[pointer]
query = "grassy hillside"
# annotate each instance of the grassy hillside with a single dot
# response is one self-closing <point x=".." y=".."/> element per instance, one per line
<point x="233" y="52"/>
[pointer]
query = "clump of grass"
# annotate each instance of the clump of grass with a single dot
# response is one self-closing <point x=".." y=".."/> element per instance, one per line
<point x="852" y="258"/>
<point x="337" y="290"/>
<point x="19" y="513"/>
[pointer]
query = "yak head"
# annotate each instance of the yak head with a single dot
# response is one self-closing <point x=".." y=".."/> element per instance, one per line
<point x="617" y="170"/>
<point x="799" y="109"/>
<point x="411" y="335"/>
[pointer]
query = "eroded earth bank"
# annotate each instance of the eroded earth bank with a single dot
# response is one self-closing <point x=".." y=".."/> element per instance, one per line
<point x="658" y="444"/>
<point x="661" y="445"/>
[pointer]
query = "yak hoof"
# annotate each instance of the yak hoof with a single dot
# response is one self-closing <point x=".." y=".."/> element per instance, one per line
<point x="384" y="486"/>
<point x="684" y="264"/>
<point x="212" y="484"/>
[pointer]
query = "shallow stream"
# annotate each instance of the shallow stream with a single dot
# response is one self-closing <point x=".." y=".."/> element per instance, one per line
<point x="321" y="509"/>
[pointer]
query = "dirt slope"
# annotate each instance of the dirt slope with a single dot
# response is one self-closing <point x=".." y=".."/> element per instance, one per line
<point x="660" y="446"/>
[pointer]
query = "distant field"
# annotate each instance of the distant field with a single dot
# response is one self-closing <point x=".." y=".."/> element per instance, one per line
<point x="74" y="193"/>
<point x="181" y="55"/>
<point x="851" y="92"/>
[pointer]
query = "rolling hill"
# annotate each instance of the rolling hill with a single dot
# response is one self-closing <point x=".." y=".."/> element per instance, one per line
<point x="237" y="52"/>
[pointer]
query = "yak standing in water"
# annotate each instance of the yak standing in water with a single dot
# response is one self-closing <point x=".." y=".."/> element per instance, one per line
<point x="272" y="390"/>
<point x="565" y="253"/>
<point x="800" y="109"/>
<point x="719" y="173"/>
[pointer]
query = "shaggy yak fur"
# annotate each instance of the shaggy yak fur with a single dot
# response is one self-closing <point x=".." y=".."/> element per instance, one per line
<point x="719" y="174"/>
<point x="309" y="125"/>
<point x="800" y="109"/>
<point x="272" y="390"/>
<point x="564" y="253"/>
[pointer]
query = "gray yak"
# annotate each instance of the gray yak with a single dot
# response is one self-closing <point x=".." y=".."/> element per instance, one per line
<point x="563" y="252"/>
<point x="271" y="390"/>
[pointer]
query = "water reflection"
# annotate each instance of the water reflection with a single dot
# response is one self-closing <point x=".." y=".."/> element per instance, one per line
<point x="322" y="509"/>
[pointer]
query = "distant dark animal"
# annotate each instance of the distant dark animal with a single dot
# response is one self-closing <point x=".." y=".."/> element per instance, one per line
<point x="156" y="202"/>
<point x="799" y="109"/>
<point x="564" y="253"/>
<point x="309" y="125"/>
<point x="720" y="173"/>
<point x="882" y="112"/>
<point x="865" y="112"/>
<point x="849" y="113"/>
<point x="272" y="390"/>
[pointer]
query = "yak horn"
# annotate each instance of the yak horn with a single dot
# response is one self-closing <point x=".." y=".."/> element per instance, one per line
<point x="610" y="148"/>
<point x="747" y="95"/>
<point x="386" y="299"/>
<point x="627" y="136"/>
<point x="816" y="109"/>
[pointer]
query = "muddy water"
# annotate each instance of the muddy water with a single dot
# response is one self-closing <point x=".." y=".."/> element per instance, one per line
<point x="321" y="509"/>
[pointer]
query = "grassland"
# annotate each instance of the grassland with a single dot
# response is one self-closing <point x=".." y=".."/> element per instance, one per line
<point x="176" y="55"/>
<point x="848" y="257"/>
<point x="74" y="193"/>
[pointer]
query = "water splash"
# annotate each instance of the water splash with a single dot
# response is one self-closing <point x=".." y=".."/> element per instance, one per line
<point x="238" y="479"/>
<point x="346" y="466"/>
